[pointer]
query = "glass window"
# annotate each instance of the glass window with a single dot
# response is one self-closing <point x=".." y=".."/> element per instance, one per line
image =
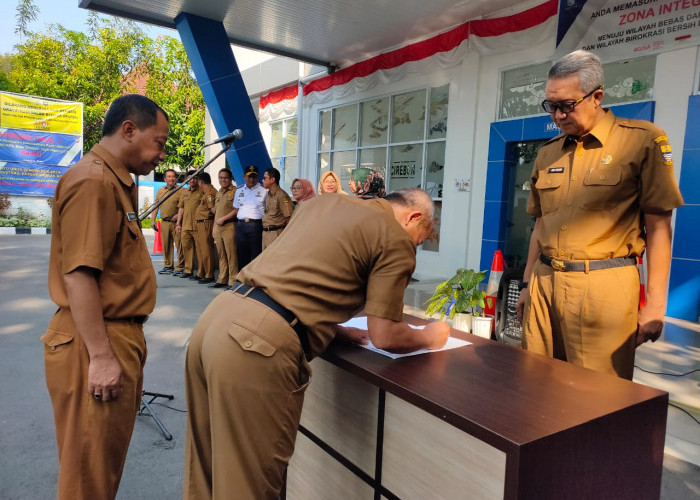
<point x="283" y="150"/>
<point x="437" y="127"/>
<point x="276" y="142"/>
<point x="375" y="122"/>
<point x="345" y="127"/>
<point x="392" y="136"/>
<point x="522" y="90"/>
<point x="408" y="117"/>
<point x="406" y="166"/>
<point x="631" y="80"/>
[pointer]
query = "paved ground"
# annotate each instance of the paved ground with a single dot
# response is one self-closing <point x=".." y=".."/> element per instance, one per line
<point x="28" y="462"/>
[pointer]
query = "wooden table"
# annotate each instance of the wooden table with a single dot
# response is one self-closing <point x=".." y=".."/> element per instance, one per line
<point x="481" y="421"/>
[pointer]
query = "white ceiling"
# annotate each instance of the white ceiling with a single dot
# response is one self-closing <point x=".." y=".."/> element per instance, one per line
<point x="318" y="31"/>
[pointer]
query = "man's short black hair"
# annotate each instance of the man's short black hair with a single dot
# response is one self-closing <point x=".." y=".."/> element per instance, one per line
<point x="169" y="170"/>
<point x="226" y="171"/>
<point x="204" y="177"/>
<point x="274" y="173"/>
<point x="137" y="108"/>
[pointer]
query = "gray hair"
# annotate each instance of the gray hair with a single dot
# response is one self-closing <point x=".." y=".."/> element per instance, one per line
<point x="586" y="65"/>
<point x="413" y="199"/>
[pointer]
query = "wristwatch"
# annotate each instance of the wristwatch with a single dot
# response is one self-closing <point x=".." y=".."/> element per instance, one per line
<point x="522" y="284"/>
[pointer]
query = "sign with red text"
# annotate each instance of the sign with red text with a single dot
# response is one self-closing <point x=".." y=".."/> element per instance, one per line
<point x="619" y="29"/>
<point x="39" y="139"/>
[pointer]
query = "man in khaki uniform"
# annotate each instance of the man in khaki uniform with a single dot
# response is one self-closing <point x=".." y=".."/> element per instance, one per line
<point x="168" y="219"/>
<point x="246" y="367"/>
<point x="602" y="193"/>
<point x="278" y="207"/>
<point x="101" y="277"/>
<point x="224" y="231"/>
<point x="185" y="227"/>
<point x="204" y="220"/>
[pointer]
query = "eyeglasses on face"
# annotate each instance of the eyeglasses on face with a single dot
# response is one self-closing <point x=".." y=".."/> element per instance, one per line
<point x="567" y="106"/>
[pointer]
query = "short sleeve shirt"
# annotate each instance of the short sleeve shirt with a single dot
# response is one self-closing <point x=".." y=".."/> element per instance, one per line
<point x="188" y="202"/>
<point x="278" y="207"/>
<point x="250" y="202"/>
<point x="224" y="201"/>
<point x="168" y="209"/>
<point x="206" y="203"/>
<point x="95" y="225"/>
<point x="337" y="255"/>
<point x="590" y="194"/>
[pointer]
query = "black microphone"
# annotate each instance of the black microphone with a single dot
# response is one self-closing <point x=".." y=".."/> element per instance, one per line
<point x="228" y="138"/>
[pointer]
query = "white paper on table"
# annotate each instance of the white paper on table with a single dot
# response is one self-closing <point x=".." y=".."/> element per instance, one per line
<point x="361" y="323"/>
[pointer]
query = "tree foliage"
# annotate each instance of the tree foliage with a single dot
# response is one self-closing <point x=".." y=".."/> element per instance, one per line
<point x="27" y="12"/>
<point x="113" y="57"/>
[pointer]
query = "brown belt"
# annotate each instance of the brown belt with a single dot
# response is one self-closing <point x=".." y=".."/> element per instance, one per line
<point x="587" y="265"/>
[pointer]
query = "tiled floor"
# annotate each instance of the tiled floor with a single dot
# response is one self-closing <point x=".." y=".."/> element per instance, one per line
<point x="676" y="352"/>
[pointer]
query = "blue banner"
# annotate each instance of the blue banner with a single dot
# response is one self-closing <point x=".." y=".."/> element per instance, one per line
<point x="45" y="148"/>
<point x="29" y="179"/>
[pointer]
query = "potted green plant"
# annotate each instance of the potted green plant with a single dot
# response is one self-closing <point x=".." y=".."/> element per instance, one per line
<point x="458" y="298"/>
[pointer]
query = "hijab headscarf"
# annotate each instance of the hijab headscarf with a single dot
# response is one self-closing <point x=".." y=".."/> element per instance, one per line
<point x="307" y="190"/>
<point x="337" y="183"/>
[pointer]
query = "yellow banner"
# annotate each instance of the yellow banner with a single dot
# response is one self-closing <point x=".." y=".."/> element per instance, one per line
<point x="33" y="113"/>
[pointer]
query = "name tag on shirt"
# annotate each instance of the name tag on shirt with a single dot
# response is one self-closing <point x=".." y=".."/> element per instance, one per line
<point x="132" y="216"/>
<point x="555" y="170"/>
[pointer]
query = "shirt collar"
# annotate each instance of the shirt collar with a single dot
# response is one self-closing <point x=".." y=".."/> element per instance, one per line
<point x="600" y="132"/>
<point x="113" y="164"/>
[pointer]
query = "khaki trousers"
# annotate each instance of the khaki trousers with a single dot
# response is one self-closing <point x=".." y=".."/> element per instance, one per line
<point x="168" y="237"/>
<point x="225" y="239"/>
<point x="245" y="376"/>
<point x="589" y="319"/>
<point x="204" y="243"/>
<point x="93" y="437"/>
<point x="187" y="244"/>
<point x="269" y="236"/>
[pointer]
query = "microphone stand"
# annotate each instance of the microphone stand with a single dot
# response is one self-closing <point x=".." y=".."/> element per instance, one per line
<point x="146" y="409"/>
<point x="147" y="212"/>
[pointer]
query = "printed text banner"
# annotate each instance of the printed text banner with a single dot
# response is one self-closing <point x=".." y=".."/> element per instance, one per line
<point x="623" y="29"/>
<point x="33" y="113"/>
<point x="29" y="179"/>
<point x="40" y="147"/>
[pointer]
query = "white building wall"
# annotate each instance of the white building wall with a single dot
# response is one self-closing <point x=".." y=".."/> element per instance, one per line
<point x="473" y="105"/>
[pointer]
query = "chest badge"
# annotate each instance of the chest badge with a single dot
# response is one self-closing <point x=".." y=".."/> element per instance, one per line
<point x="555" y="170"/>
<point x="606" y="160"/>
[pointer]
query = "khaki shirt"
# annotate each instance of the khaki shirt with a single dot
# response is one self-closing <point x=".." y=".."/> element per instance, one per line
<point x="224" y="201"/>
<point x="590" y="194"/>
<point x="188" y="202"/>
<point x="278" y="207"/>
<point x="332" y="270"/>
<point x="206" y="203"/>
<point x="94" y="225"/>
<point x="168" y="209"/>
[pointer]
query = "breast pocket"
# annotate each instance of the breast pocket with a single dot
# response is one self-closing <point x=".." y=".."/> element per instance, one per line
<point x="550" y="191"/>
<point x="601" y="188"/>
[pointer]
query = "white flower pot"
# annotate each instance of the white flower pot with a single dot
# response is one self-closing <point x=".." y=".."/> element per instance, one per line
<point x="481" y="326"/>
<point x="462" y="321"/>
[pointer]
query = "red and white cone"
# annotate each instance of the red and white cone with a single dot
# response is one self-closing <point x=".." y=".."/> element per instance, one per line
<point x="642" y="282"/>
<point x="492" y="286"/>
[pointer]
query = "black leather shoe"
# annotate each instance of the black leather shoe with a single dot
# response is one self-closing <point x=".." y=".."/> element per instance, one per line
<point x="194" y="277"/>
<point x="217" y="285"/>
<point x="166" y="270"/>
<point x="177" y="273"/>
<point x="204" y="281"/>
<point x="186" y="275"/>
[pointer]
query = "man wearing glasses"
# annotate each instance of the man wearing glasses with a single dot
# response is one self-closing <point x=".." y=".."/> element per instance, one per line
<point x="602" y="193"/>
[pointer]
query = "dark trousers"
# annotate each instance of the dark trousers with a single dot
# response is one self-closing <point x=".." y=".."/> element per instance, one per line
<point x="248" y="241"/>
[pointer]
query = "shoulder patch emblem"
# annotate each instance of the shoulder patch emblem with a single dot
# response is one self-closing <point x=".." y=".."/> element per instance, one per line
<point x="661" y="138"/>
<point x="665" y="148"/>
<point x="668" y="158"/>
<point x="606" y="160"/>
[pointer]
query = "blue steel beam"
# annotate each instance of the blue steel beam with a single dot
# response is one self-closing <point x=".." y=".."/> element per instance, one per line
<point x="225" y="95"/>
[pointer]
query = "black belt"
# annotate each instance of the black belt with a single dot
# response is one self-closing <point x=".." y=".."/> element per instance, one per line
<point x="250" y="220"/>
<point x="139" y="320"/>
<point x="286" y="314"/>
<point x="204" y="220"/>
<point x="589" y="265"/>
<point x="169" y="219"/>
<point x="272" y="228"/>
